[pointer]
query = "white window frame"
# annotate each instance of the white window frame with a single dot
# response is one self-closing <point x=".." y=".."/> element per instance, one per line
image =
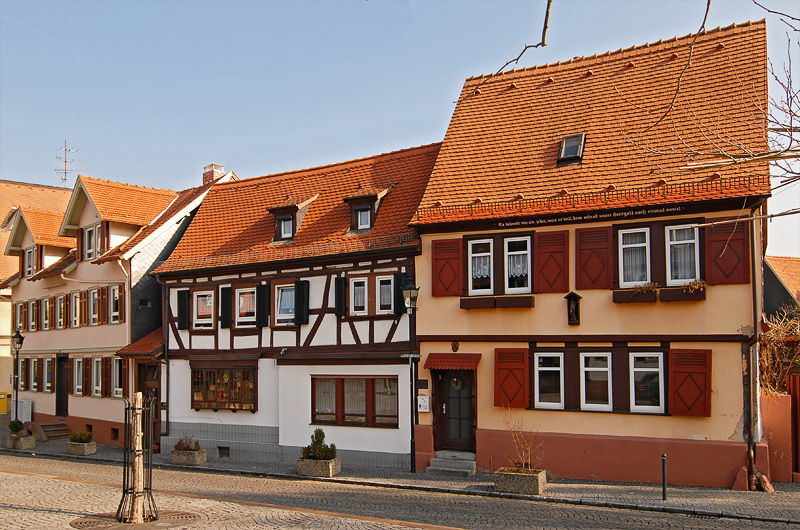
<point x="695" y="241"/>
<point x="622" y="283"/>
<point x="77" y="375"/>
<point x="32" y="324"/>
<point x="365" y="283"/>
<point x="30" y="261"/>
<point x="546" y="404"/>
<point x="284" y="319"/>
<point x="245" y="321"/>
<point x="97" y="376"/>
<point x="506" y="254"/>
<point x="584" y="369"/>
<point x="18" y="315"/>
<point x="286" y="227"/>
<point x="633" y="370"/>
<point x="361" y="211"/>
<point x="90" y="251"/>
<point x="21" y="380"/>
<point x="93" y="300"/>
<point x="378" y="280"/>
<point x="471" y="290"/>
<point x="45" y="308"/>
<point x="59" y="301"/>
<point x="75" y="310"/>
<point x="113" y="296"/>
<point x="47" y="374"/>
<point x="205" y="322"/>
<point x="34" y="363"/>
<point x="116" y="374"/>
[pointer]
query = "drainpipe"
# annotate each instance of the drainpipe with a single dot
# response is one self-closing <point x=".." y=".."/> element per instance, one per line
<point x="164" y="324"/>
<point x="751" y="355"/>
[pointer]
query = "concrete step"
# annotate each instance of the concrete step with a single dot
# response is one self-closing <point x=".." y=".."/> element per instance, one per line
<point x="452" y="463"/>
<point x="455" y="455"/>
<point x="50" y="431"/>
<point x="450" y="472"/>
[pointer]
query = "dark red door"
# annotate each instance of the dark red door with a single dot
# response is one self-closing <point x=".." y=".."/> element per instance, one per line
<point x="455" y="415"/>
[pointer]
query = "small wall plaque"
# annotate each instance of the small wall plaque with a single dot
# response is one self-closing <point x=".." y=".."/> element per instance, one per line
<point x="423" y="403"/>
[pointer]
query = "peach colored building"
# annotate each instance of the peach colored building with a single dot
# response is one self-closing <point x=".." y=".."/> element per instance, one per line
<point x="573" y="273"/>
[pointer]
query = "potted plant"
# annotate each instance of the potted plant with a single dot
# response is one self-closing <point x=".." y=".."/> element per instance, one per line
<point x="81" y="444"/>
<point x="188" y="452"/>
<point x="319" y="459"/>
<point x="521" y="476"/>
<point x="19" y="438"/>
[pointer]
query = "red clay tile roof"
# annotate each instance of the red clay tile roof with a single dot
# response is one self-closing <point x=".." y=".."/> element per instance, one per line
<point x="147" y="345"/>
<point x="8" y="281"/>
<point x="56" y="268"/>
<point x="234" y="227"/>
<point x="44" y="227"/>
<point x="126" y="203"/>
<point x="504" y="140"/>
<point x="452" y="361"/>
<point x="788" y="270"/>
<point x="183" y="200"/>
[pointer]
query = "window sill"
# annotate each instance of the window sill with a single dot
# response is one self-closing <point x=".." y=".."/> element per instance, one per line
<point x="630" y="296"/>
<point x="490" y="302"/>
<point x="361" y="425"/>
<point x="677" y="294"/>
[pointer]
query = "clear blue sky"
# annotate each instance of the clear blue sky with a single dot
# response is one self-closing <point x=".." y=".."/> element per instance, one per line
<point x="151" y="91"/>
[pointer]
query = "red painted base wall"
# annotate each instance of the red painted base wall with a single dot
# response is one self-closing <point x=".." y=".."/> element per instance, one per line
<point x="101" y="429"/>
<point x="776" y="413"/>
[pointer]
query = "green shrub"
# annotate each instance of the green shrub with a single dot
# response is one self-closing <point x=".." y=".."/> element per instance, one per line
<point x="81" y="437"/>
<point x="187" y="443"/>
<point x="319" y="450"/>
<point x="15" y="426"/>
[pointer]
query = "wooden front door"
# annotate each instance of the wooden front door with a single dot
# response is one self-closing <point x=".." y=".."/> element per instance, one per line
<point x="149" y="384"/>
<point x="454" y="410"/>
<point x="62" y="386"/>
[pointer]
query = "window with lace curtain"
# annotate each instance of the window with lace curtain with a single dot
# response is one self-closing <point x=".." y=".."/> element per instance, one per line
<point x="385" y="303"/>
<point x="634" y="257"/>
<point x="682" y="255"/>
<point x="518" y="265"/>
<point x="480" y="267"/>
<point x="355" y="401"/>
<point x="358" y="296"/>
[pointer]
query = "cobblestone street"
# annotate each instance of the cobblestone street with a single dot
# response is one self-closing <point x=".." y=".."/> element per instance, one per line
<point x="38" y="493"/>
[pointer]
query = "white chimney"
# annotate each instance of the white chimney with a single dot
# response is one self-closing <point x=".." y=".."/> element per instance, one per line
<point x="212" y="172"/>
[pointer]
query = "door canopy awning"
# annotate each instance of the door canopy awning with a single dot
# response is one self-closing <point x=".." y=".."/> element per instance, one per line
<point x="452" y="361"/>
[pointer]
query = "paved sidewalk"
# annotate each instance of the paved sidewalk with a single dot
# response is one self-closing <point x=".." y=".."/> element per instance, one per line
<point x="783" y="506"/>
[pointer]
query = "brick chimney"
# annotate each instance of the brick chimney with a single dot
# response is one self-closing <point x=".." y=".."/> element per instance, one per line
<point x="212" y="172"/>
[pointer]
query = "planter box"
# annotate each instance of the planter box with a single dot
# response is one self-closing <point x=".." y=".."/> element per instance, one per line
<point x="23" y="443"/>
<point x="319" y="468"/>
<point x="630" y="296"/>
<point x="81" y="449"/>
<point x="677" y="294"/>
<point x="189" y="458"/>
<point x="509" y="480"/>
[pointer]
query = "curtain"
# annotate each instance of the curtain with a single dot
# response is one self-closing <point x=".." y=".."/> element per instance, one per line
<point x="359" y="303"/>
<point x="634" y="264"/>
<point x="481" y="266"/>
<point x="355" y="400"/>
<point x="682" y="255"/>
<point x="286" y="306"/>
<point x="386" y="295"/>
<point x="325" y="399"/>
<point x="518" y="265"/>
<point x="386" y="400"/>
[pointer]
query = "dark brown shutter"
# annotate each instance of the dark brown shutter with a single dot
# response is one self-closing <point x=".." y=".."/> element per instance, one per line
<point x="39" y="257"/>
<point x="21" y="263"/>
<point x="183" y="309"/>
<point x="102" y="305"/>
<point x="65" y="310"/>
<point x="106" y="383"/>
<point x="104" y="236"/>
<point x="301" y="293"/>
<point x="511" y="377"/>
<point x="262" y="305"/>
<point x="24" y="316"/>
<point x="40" y="375"/>
<point x="71" y="376"/>
<point x="399" y="280"/>
<point x="594" y="259"/>
<point x="551" y="262"/>
<point x="51" y="307"/>
<point x="690" y="382"/>
<point x="37" y="314"/>
<point x="121" y="303"/>
<point x="727" y="253"/>
<point x="79" y="245"/>
<point x="340" y="296"/>
<point x="87" y="376"/>
<point x="125" y="392"/>
<point x="446" y="280"/>
<point x="84" y="307"/>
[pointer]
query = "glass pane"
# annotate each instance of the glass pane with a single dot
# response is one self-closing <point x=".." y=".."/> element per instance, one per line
<point x="325" y="399"/>
<point x="363" y="218"/>
<point x="681" y="234"/>
<point x="386" y="400"/>
<point x="549" y="362"/>
<point x="286" y="306"/>
<point x="596" y="388"/>
<point x="649" y="361"/>
<point x="633" y="238"/>
<point x="385" y="295"/>
<point x="595" y="361"/>
<point x="571" y="145"/>
<point x="247" y="304"/>
<point x="682" y="261"/>
<point x="550" y="386"/>
<point x="203" y="306"/>
<point x="355" y="400"/>
<point x="634" y="264"/>
<point x="359" y="296"/>
<point x="517" y="246"/>
<point x="481" y="248"/>
<point x="646" y="389"/>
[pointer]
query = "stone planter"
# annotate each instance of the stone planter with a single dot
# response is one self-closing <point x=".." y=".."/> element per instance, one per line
<point x="81" y="449"/>
<point x="189" y="458"/>
<point x="319" y="468"/>
<point x="510" y="480"/>
<point x="23" y="443"/>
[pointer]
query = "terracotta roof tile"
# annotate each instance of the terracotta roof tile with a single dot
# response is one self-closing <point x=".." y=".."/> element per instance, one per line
<point x="44" y="227"/>
<point x="147" y="345"/>
<point x="56" y="268"/>
<point x="788" y="270"/>
<point x="8" y="281"/>
<point x="234" y="227"/>
<point x="452" y="361"/>
<point x="504" y="141"/>
<point x="126" y="203"/>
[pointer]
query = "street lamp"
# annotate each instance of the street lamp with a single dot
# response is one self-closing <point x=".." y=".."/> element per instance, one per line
<point x="410" y="294"/>
<point x="16" y="340"/>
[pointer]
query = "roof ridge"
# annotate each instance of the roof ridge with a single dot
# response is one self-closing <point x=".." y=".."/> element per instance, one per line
<point x="36" y="185"/>
<point x="258" y="179"/>
<point x="620" y="51"/>
<point x="126" y="184"/>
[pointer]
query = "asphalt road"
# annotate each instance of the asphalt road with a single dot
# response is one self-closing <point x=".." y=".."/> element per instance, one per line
<point x="42" y="494"/>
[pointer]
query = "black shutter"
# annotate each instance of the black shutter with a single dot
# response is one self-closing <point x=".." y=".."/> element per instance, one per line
<point x="301" y="302"/>
<point x="400" y="280"/>
<point x="340" y="292"/>
<point x="226" y="303"/>
<point x="262" y="305"/>
<point x="183" y="309"/>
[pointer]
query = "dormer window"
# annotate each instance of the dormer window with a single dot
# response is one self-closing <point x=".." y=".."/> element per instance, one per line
<point x="285" y="228"/>
<point x="363" y="215"/>
<point x="571" y="151"/>
<point x="91" y="242"/>
<point x="30" y="261"/>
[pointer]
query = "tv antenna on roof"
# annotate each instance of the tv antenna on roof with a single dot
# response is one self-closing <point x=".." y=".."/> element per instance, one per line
<point x="62" y="173"/>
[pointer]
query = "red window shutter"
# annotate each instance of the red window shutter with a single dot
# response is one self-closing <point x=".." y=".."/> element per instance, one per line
<point x="446" y="279"/>
<point x="71" y="376"/>
<point x="84" y="308"/>
<point x="594" y="258"/>
<point x="106" y="383"/>
<point x="125" y="392"/>
<point x="79" y="242"/>
<point x="511" y="377"/>
<point x="727" y="253"/>
<point x="102" y="305"/>
<point x="121" y="291"/>
<point x="551" y="262"/>
<point x="690" y="382"/>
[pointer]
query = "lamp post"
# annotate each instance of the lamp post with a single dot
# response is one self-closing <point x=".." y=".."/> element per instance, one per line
<point x="16" y="340"/>
<point x="410" y="294"/>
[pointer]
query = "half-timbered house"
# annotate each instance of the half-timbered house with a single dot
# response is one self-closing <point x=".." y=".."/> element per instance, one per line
<point x="283" y="312"/>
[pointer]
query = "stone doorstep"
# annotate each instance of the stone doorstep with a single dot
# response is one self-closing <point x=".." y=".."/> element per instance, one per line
<point x="447" y="463"/>
<point x="454" y="455"/>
